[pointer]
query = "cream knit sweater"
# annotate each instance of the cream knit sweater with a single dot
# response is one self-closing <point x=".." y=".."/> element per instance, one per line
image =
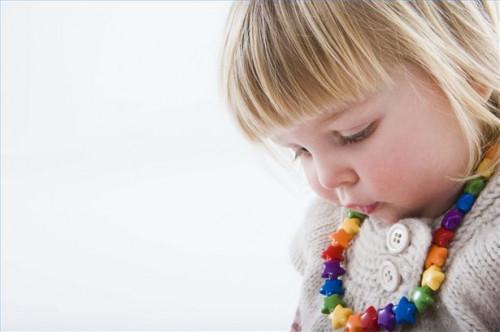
<point x="469" y="298"/>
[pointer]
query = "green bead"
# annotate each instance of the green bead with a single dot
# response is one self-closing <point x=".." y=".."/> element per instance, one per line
<point x="421" y="297"/>
<point x="354" y="214"/>
<point x="475" y="186"/>
<point x="331" y="302"/>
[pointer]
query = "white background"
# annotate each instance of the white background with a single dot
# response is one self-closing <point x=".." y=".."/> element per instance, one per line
<point x="129" y="200"/>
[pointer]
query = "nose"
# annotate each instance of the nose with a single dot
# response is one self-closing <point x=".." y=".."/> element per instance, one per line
<point x="332" y="173"/>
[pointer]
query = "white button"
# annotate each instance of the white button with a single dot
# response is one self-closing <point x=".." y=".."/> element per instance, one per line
<point x="388" y="276"/>
<point x="398" y="238"/>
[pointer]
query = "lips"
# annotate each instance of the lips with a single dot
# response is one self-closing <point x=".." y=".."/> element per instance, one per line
<point x="365" y="209"/>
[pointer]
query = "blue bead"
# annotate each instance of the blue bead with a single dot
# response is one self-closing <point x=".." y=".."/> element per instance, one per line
<point x="465" y="202"/>
<point x="405" y="312"/>
<point x="332" y="286"/>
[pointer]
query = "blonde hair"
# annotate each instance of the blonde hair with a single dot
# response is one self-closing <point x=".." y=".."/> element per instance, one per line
<point x="285" y="61"/>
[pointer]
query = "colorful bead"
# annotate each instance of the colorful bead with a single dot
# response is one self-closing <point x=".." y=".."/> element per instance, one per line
<point x="452" y="219"/>
<point x="333" y="252"/>
<point x="484" y="167"/>
<point x="332" y="286"/>
<point x="330" y="302"/>
<point x="341" y="238"/>
<point x="465" y="201"/>
<point x="369" y="319"/>
<point x="436" y="256"/>
<point x="339" y="316"/>
<point x="386" y="318"/>
<point x="442" y="237"/>
<point x="405" y="312"/>
<point x="354" y="214"/>
<point x="332" y="269"/>
<point x="353" y="324"/>
<point x="351" y="225"/>
<point x="475" y="186"/>
<point x="433" y="277"/>
<point x="421" y="297"/>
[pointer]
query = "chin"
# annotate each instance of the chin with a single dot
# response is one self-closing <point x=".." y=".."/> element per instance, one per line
<point x="392" y="219"/>
<point x="384" y="218"/>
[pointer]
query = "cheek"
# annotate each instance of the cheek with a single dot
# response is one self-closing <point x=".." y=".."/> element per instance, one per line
<point x="395" y="169"/>
<point x="407" y="177"/>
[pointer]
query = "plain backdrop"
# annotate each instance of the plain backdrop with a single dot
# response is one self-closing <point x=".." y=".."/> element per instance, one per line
<point x="129" y="200"/>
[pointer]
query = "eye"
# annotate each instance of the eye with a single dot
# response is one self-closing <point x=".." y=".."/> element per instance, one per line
<point x="345" y="140"/>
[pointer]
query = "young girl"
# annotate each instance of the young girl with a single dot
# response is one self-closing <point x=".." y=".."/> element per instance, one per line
<point x="392" y="110"/>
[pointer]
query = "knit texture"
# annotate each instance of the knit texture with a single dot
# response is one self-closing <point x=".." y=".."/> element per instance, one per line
<point x="469" y="298"/>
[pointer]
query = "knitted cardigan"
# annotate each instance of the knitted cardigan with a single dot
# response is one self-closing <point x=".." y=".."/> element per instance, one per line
<point x="469" y="298"/>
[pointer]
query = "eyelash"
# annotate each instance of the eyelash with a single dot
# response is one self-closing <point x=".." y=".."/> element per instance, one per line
<point x="358" y="137"/>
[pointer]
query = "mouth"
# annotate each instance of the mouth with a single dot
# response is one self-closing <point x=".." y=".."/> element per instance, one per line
<point x="365" y="209"/>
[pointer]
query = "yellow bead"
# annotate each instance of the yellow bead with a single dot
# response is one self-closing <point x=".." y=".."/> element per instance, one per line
<point x="483" y="167"/>
<point x="351" y="225"/>
<point x="339" y="316"/>
<point x="433" y="277"/>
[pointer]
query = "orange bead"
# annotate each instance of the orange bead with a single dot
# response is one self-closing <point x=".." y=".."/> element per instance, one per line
<point x="341" y="237"/>
<point x="490" y="153"/>
<point x="437" y="256"/>
<point x="353" y="324"/>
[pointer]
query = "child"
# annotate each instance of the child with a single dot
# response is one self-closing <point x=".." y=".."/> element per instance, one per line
<point x="392" y="109"/>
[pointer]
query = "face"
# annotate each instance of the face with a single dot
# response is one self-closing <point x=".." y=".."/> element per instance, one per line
<point x="393" y="150"/>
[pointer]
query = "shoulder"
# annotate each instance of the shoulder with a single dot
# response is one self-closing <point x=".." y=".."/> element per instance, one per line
<point x="472" y="287"/>
<point x="481" y="225"/>
<point x="471" y="291"/>
<point x="479" y="251"/>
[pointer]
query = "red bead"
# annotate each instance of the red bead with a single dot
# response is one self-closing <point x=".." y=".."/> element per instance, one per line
<point x="333" y="252"/>
<point x="369" y="319"/>
<point x="442" y="237"/>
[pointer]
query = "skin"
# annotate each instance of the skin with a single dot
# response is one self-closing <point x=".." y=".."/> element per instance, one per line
<point x="402" y="164"/>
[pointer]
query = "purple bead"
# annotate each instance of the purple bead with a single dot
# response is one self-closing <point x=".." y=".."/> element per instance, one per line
<point x="332" y="269"/>
<point x="452" y="219"/>
<point x="386" y="318"/>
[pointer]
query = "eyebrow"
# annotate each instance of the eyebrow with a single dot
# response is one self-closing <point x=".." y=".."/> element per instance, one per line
<point x="340" y="111"/>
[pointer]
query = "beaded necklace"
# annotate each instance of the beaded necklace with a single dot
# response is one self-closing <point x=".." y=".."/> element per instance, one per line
<point x="420" y="297"/>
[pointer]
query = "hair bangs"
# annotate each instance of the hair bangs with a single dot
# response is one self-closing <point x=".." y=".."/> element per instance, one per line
<point x="288" y="65"/>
